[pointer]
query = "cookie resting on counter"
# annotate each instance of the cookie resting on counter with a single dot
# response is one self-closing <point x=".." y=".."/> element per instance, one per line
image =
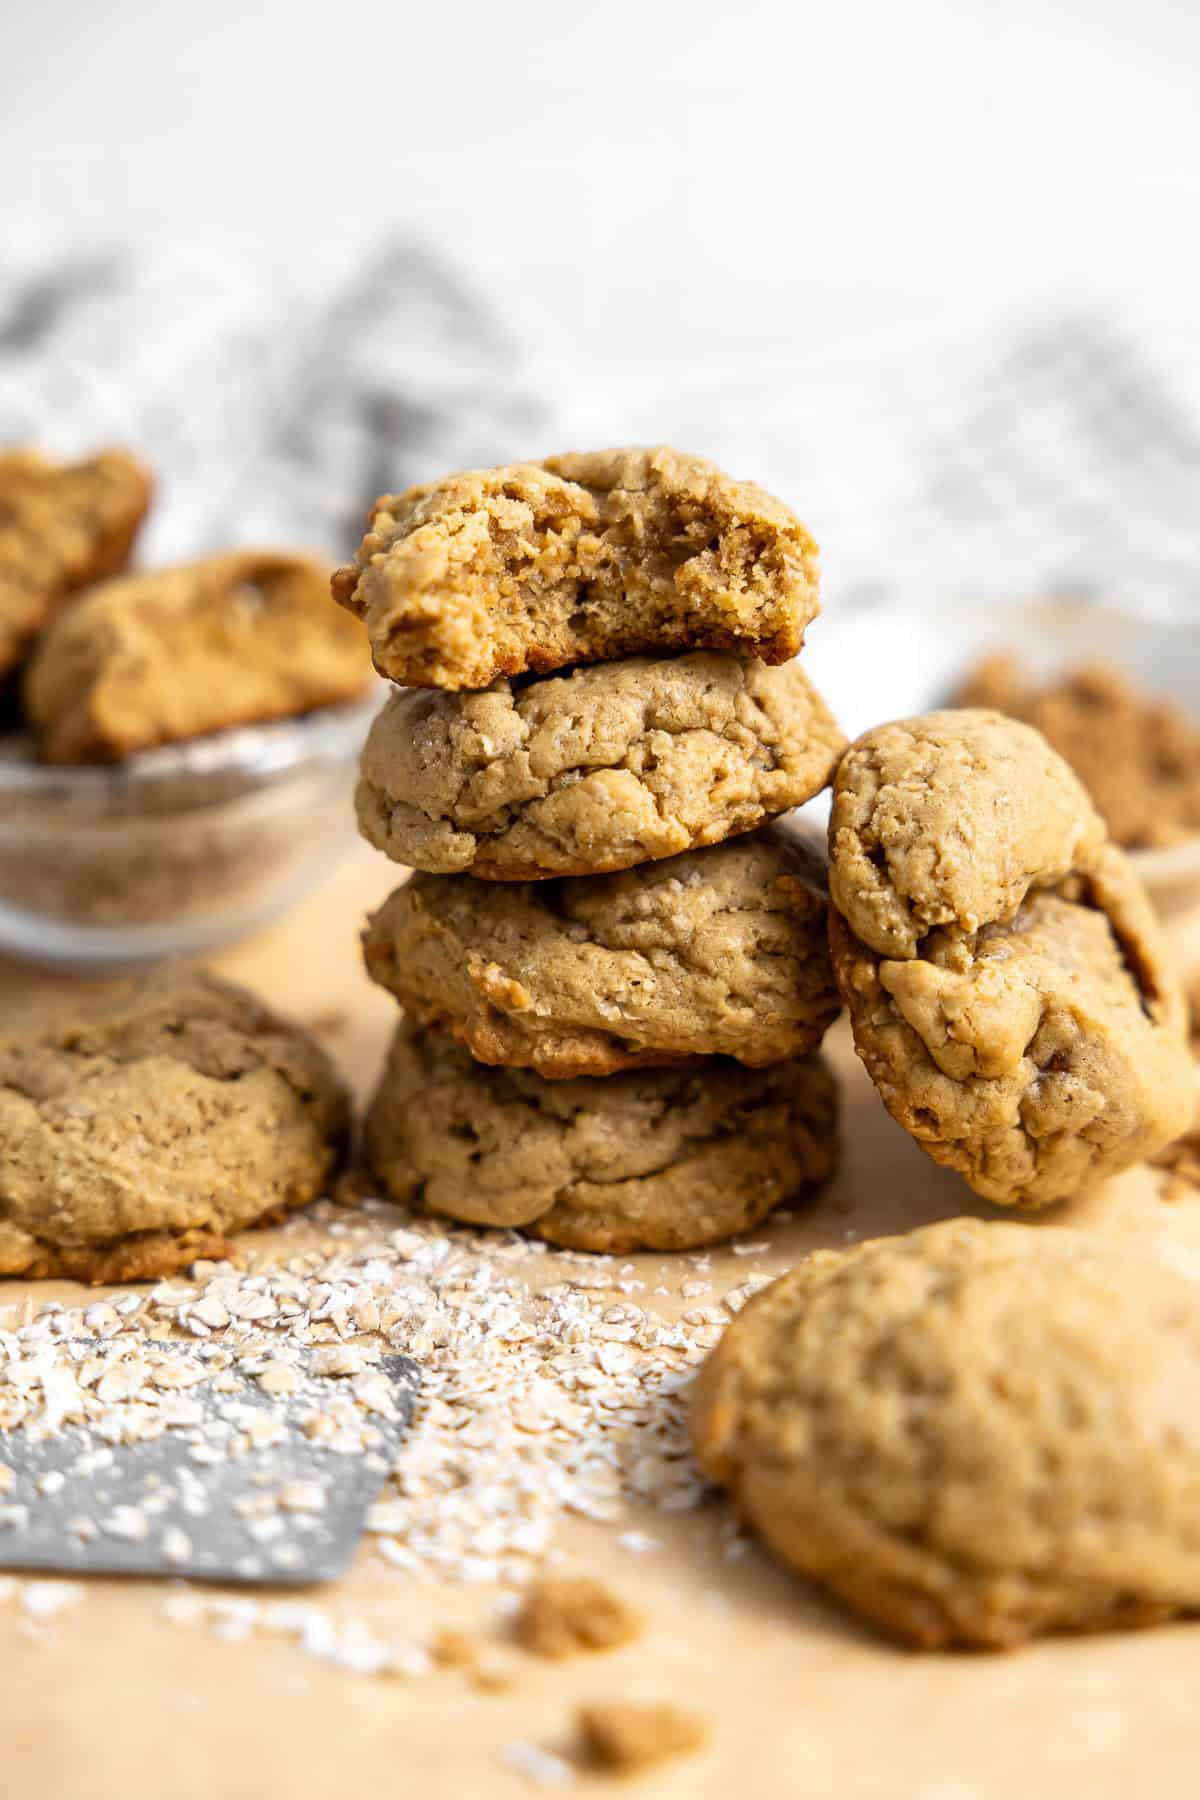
<point x="139" y="1128"/>
<point x="658" y="1159"/>
<point x="582" y="774"/>
<point x="1035" y="1056"/>
<point x="1006" y="980"/>
<point x="581" y="558"/>
<point x="62" y="526"/>
<point x="720" y="952"/>
<point x="972" y="1434"/>
<point x="155" y="659"/>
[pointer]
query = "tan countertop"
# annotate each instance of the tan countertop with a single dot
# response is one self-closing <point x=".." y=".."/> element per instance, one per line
<point x="111" y="1698"/>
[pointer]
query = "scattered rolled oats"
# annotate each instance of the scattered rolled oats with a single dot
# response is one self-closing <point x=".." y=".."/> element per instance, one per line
<point x="550" y="1388"/>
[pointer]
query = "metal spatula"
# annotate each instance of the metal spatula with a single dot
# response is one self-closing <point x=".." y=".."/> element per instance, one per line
<point x="219" y="1462"/>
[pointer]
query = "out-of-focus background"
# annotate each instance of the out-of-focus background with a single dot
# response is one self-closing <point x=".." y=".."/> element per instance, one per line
<point x="932" y="271"/>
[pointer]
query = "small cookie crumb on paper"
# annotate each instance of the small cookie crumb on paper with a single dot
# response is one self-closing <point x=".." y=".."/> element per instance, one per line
<point x="453" y="1649"/>
<point x="562" y="1615"/>
<point x="623" y="1735"/>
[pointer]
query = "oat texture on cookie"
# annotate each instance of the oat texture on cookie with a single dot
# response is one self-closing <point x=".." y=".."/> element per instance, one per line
<point x="973" y="1434"/>
<point x="581" y="558"/>
<point x="659" y="1159"/>
<point x="720" y="952"/>
<point x="138" y="1129"/>
<point x="614" y="964"/>
<point x="609" y="766"/>
<point x="1008" y="986"/>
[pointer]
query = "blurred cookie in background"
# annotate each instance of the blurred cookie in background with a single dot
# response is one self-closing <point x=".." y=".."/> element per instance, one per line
<point x="62" y="527"/>
<point x="154" y="659"/>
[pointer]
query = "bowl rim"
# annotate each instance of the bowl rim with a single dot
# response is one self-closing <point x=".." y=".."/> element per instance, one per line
<point x="257" y="752"/>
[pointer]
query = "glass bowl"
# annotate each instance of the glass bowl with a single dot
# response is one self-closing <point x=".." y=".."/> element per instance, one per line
<point x="175" y="850"/>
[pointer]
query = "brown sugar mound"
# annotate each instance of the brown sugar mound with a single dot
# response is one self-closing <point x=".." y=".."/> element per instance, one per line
<point x="972" y="1434"/>
<point x="581" y="558"/>
<point x="154" y="659"/>
<point x="560" y="1615"/>
<point x="1138" y="755"/>
<point x="625" y="1735"/>
<point x="62" y="526"/>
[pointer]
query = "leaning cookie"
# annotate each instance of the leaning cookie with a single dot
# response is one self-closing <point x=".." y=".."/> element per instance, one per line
<point x="720" y="952"/>
<point x="153" y="659"/>
<point x="577" y="559"/>
<point x="972" y="1434"/>
<point x="659" y="1159"/>
<point x="598" y="770"/>
<point x="949" y="820"/>
<point x="1035" y="1056"/>
<point x="138" y="1130"/>
<point x="62" y="526"/>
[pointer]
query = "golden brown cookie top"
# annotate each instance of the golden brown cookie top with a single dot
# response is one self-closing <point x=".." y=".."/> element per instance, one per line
<point x="139" y="1125"/>
<point x="1037" y="1055"/>
<point x="973" y="1432"/>
<point x="950" y="819"/>
<point x="152" y="659"/>
<point x="581" y="558"/>
<point x="665" y="1159"/>
<point x="612" y="765"/>
<point x="716" y="952"/>
<point x="209" y="1026"/>
<point x="62" y="526"/>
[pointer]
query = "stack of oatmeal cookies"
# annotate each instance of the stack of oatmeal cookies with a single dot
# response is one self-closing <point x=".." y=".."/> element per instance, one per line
<point x="612" y="962"/>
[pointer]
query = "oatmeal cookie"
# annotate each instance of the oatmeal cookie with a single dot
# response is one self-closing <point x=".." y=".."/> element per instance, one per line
<point x="717" y="952"/>
<point x="598" y="770"/>
<point x="659" y="1159"/>
<point x="949" y="820"/>
<point x="1038" y="1054"/>
<point x="1137" y="754"/>
<point x="153" y="659"/>
<point x="581" y="558"/>
<point x="972" y="1434"/>
<point x="62" y="526"/>
<point x="138" y="1129"/>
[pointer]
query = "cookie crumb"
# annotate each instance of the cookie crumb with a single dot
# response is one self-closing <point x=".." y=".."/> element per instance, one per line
<point x="561" y="1615"/>
<point x="623" y="1735"/>
<point x="453" y="1649"/>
